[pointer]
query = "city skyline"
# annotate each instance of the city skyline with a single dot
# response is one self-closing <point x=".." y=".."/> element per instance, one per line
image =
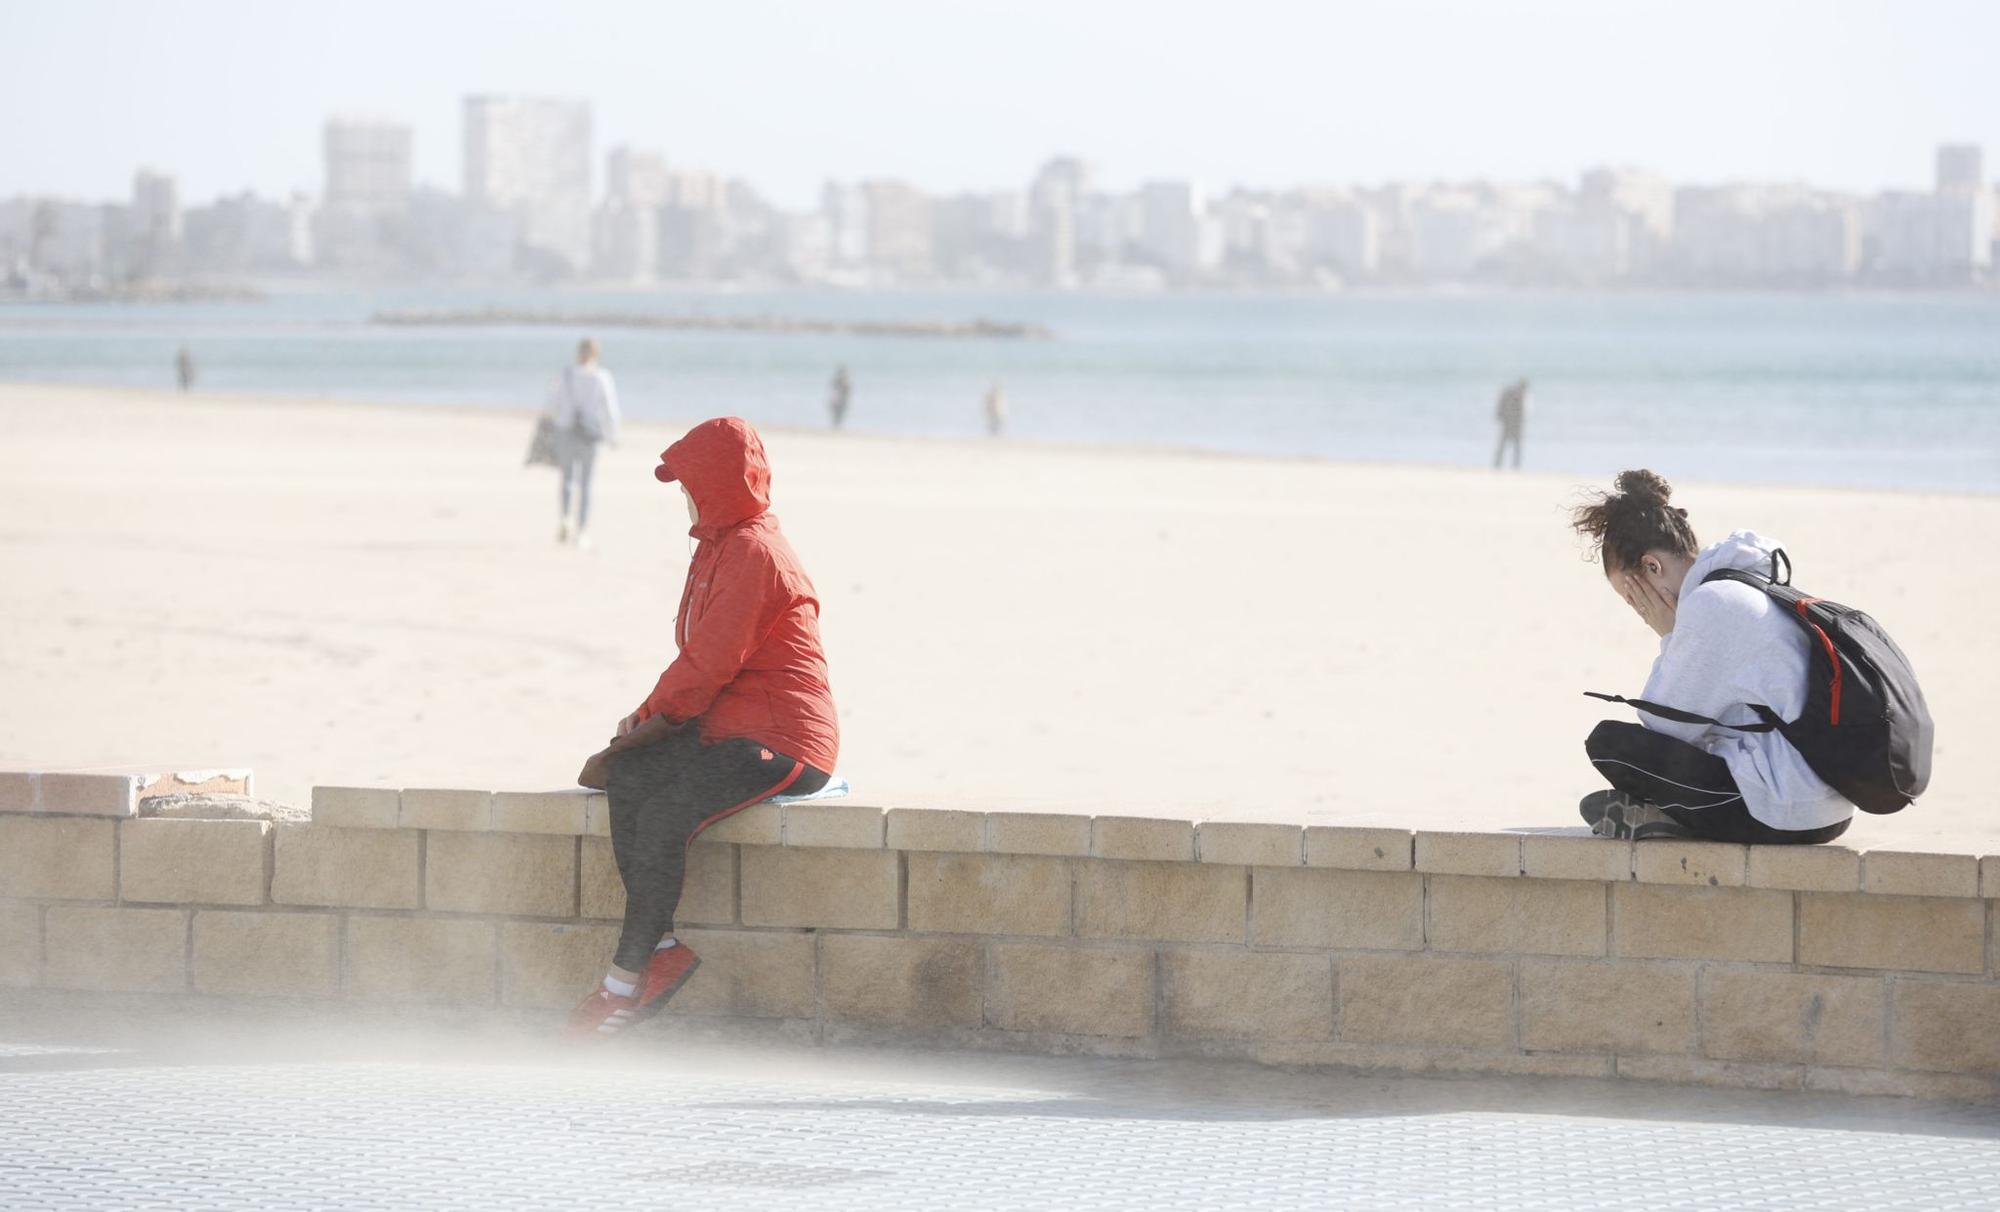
<point x="1269" y="98"/>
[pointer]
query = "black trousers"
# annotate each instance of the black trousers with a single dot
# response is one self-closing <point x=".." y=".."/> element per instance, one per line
<point x="1689" y="784"/>
<point x="664" y="793"/>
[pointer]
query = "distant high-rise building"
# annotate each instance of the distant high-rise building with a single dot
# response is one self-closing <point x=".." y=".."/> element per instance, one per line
<point x="1176" y="229"/>
<point x="368" y="165"/>
<point x="1941" y="239"/>
<point x="1960" y="168"/>
<point x="627" y="227"/>
<point x="900" y="233"/>
<point x="530" y="157"/>
<point x="362" y="219"/>
<point x="155" y="225"/>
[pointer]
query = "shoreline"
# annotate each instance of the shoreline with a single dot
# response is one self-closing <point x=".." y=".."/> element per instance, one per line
<point x="1084" y="447"/>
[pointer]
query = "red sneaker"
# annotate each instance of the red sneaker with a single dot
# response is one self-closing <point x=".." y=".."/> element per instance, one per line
<point x="601" y="1014"/>
<point x="666" y="972"/>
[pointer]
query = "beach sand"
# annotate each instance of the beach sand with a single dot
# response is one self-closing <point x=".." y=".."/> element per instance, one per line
<point x="354" y="594"/>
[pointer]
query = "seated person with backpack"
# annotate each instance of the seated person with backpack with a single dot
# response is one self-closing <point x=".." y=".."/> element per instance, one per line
<point x="1741" y="736"/>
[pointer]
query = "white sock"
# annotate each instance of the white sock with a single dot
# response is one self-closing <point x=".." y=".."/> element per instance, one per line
<point x="666" y="943"/>
<point x="621" y="988"/>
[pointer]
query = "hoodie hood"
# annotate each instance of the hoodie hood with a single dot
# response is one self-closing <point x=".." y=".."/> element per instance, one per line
<point x="722" y="465"/>
<point x="1745" y="549"/>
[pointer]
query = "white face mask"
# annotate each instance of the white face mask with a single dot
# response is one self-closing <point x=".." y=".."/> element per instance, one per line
<point x="694" y="512"/>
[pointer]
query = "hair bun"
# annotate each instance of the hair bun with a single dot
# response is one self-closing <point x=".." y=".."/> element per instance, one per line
<point x="1644" y="486"/>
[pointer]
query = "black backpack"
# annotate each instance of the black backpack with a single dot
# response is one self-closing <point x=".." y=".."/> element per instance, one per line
<point x="1865" y="729"/>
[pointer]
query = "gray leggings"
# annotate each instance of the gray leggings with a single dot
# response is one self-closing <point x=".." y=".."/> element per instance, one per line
<point x="579" y="460"/>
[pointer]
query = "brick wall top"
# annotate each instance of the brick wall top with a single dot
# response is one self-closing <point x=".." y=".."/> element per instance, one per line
<point x="858" y="824"/>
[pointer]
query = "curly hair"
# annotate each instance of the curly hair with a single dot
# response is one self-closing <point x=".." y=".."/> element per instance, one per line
<point x="1633" y="519"/>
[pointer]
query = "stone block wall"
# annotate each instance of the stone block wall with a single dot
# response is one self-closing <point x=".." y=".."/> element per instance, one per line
<point x="1362" y="948"/>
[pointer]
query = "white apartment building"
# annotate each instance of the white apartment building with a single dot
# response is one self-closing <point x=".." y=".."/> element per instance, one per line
<point x="530" y="157"/>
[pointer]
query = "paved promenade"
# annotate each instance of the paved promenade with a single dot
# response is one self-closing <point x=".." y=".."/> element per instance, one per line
<point x="147" y="1112"/>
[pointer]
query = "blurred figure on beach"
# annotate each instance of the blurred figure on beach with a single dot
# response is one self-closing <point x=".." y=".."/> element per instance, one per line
<point x="842" y="391"/>
<point x="996" y="410"/>
<point x="1512" y="413"/>
<point x="584" y="404"/>
<point x="184" y="369"/>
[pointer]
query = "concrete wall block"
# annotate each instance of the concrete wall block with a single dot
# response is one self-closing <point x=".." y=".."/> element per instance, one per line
<point x="1662" y="921"/>
<point x="1172" y="902"/>
<point x="1626" y="1008"/>
<point x="602" y="891"/>
<point x="115" y="950"/>
<point x="1910" y="873"/>
<point x="1314" y="907"/>
<point x="832" y="824"/>
<point x="552" y="965"/>
<point x="1428" y="1000"/>
<point x="597" y="815"/>
<point x="239" y="954"/>
<point x="757" y="825"/>
<point x="1142" y="839"/>
<point x="421" y="959"/>
<point x="516" y="873"/>
<point x="1951" y="1027"/>
<point x="1989" y="877"/>
<point x="1354" y="848"/>
<point x="193" y="861"/>
<point x="1668" y="861"/>
<point x="1753" y="1015"/>
<point x="708" y="888"/>
<point x="1247" y="995"/>
<point x="1804" y="868"/>
<point x="1538" y="917"/>
<point x="155" y="783"/>
<point x="445" y="809"/>
<point x="1245" y="845"/>
<point x="917" y="983"/>
<point x="1556" y="857"/>
<point x="356" y="868"/>
<point x="939" y="829"/>
<point x="1069" y="989"/>
<point x="840" y="889"/>
<point x="57" y="859"/>
<point x="1494" y="854"/>
<point x="1907" y="933"/>
<point x="750" y="974"/>
<point x="540" y="811"/>
<point x="20" y="946"/>
<point x="88" y="794"/>
<point x="356" y="807"/>
<point x="989" y="894"/>
<point x="17" y="791"/>
<point x="1037" y="833"/>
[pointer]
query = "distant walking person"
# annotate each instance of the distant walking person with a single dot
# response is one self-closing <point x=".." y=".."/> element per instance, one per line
<point x="996" y="410"/>
<point x="184" y="369"/>
<point x="584" y="404"/>
<point x="841" y="393"/>
<point x="1512" y="413"/>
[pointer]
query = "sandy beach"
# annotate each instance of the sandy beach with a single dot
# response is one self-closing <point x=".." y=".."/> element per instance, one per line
<point x="359" y="594"/>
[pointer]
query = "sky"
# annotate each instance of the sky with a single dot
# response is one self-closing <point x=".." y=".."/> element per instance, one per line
<point x="972" y="94"/>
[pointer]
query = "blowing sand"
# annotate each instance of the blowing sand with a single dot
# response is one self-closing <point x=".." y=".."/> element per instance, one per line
<point x="344" y="593"/>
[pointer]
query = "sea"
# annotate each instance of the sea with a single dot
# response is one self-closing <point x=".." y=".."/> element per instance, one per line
<point x="1896" y="391"/>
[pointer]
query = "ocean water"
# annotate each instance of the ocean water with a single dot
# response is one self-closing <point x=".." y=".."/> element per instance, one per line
<point x="1898" y="391"/>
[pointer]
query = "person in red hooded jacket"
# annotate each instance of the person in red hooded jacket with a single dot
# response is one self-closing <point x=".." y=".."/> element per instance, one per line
<point x="743" y="713"/>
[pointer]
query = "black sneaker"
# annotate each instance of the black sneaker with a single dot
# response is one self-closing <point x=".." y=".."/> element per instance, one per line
<point x="1615" y="814"/>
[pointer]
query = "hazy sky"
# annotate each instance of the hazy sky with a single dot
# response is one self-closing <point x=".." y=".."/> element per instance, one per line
<point x="231" y="94"/>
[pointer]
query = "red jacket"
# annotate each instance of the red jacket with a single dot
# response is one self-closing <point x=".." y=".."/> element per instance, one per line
<point x="750" y="662"/>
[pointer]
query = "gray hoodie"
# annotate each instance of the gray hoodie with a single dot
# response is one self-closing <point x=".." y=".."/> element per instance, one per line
<point x="1731" y="646"/>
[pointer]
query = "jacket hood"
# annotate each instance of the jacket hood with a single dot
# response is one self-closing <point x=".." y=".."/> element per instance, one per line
<point x="1745" y="549"/>
<point x="723" y="466"/>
